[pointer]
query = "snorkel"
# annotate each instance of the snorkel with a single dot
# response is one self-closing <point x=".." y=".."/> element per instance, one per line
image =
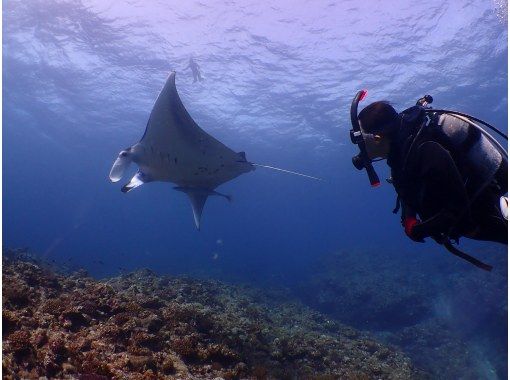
<point x="361" y="160"/>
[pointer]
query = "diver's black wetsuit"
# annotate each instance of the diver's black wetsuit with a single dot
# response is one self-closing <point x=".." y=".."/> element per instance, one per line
<point x="431" y="178"/>
<point x="195" y="69"/>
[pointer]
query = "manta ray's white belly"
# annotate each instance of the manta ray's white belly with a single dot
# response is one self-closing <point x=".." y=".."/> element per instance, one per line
<point x="185" y="167"/>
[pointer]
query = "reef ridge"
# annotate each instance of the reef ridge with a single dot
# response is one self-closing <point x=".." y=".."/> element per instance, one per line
<point x="144" y="326"/>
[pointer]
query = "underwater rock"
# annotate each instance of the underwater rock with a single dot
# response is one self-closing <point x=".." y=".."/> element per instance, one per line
<point x="141" y="326"/>
<point x="451" y="324"/>
<point x="366" y="292"/>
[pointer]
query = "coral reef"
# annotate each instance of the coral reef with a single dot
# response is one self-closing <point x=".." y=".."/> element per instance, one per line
<point x="142" y="326"/>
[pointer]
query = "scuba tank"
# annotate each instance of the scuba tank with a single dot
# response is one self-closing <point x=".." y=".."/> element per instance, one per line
<point x="483" y="164"/>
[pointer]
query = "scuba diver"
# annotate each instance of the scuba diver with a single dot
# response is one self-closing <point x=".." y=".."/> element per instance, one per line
<point x="195" y="69"/>
<point x="450" y="174"/>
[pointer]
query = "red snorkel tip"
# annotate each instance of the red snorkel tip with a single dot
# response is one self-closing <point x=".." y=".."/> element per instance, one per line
<point x="363" y="95"/>
<point x="376" y="184"/>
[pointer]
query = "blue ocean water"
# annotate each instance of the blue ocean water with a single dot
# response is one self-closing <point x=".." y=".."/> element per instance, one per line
<point x="79" y="82"/>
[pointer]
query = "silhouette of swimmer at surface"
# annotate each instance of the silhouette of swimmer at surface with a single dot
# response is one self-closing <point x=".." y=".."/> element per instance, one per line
<point x="195" y="69"/>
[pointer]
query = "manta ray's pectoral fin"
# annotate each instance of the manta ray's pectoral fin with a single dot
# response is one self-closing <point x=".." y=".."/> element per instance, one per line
<point x="197" y="197"/>
<point x="138" y="179"/>
<point x="120" y="165"/>
<point x="197" y="204"/>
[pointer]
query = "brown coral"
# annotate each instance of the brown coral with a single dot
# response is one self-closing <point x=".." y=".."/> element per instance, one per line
<point x="20" y="343"/>
<point x="141" y="326"/>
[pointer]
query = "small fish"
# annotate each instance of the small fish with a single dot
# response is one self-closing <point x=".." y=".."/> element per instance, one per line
<point x="215" y="256"/>
<point x="219" y="241"/>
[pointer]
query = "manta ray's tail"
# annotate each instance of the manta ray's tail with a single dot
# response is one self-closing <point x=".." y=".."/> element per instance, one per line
<point x="287" y="171"/>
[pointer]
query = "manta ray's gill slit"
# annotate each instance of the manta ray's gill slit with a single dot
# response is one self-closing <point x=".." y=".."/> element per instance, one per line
<point x="175" y="160"/>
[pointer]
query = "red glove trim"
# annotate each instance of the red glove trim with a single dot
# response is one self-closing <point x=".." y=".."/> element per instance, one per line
<point x="409" y="223"/>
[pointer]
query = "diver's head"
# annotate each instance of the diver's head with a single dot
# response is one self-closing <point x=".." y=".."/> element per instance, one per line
<point x="379" y="123"/>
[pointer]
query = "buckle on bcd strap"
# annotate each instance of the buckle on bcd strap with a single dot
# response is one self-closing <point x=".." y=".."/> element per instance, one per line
<point x="503" y="207"/>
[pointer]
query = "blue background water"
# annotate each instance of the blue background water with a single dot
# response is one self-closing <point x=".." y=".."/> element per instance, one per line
<point x="80" y="78"/>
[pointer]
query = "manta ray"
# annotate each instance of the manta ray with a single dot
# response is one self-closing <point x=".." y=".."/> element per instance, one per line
<point x="175" y="149"/>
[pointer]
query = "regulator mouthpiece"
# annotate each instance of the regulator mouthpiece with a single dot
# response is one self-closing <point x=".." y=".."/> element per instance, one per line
<point x="358" y="162"/>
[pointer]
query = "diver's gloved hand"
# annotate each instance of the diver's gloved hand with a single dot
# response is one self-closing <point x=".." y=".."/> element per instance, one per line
<point x="410" y="223"/>
<point x="438" y="225"/>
